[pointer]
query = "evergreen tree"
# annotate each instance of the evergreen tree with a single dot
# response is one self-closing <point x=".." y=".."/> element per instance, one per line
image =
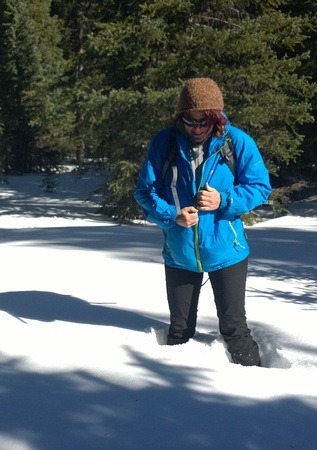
<point x="307" y="163"/>
<point x="84" y="82"/>
<point x="103" y="77"/>
<point x="35" y="116"/>
<point x="147" y="49"/>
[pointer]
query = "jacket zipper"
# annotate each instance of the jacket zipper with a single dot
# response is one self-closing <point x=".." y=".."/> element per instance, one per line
<point x="196" y="238"/>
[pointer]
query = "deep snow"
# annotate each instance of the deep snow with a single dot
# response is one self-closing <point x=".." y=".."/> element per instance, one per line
<point x="83" y="316"/>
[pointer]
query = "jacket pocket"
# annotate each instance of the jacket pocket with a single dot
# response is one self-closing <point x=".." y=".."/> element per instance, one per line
<point x="235" y="235"/>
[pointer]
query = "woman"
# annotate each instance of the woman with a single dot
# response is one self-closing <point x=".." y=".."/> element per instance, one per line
<point x="198" y="204"/>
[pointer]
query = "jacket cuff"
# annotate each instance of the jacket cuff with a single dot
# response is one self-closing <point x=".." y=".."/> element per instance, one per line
<point x="223" y="200"/>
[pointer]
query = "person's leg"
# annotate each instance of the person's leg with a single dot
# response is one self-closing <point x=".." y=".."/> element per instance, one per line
<point x="183" y="288"/>
<point x="229" y="291"/>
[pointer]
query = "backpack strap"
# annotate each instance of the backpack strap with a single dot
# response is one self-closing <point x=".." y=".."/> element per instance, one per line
<point x="228" y="155"/>
<point x="227" y="152"/>
<point x="172" y="152"/>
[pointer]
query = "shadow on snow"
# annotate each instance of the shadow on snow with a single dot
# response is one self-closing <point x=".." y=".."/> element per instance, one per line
<point x="129" y="242"/>
<point x="81" y="411"/>
<point x="285" y="254"/>
<point x="49" y="306"/>
<point x="277" y="253"/>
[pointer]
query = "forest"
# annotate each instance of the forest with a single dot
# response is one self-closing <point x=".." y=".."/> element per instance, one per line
<point x="90" y="82"/>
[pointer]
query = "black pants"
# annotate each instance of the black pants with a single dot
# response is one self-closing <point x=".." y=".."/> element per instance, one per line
<point x="183" y="289"/>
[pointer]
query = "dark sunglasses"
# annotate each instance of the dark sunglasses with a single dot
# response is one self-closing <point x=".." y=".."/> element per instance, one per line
<point x="193" y="123"/>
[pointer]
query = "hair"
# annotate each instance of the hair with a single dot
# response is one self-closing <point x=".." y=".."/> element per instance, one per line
<point x="218" y="120"/>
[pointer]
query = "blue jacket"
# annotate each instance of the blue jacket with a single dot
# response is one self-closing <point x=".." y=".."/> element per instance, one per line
<point x="218" y="240"/>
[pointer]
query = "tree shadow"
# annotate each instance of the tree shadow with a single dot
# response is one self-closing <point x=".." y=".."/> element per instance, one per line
<point x="27" y="195"/>
<point x="285" y="254"/>
<point x="293" y="249"/>
<point x="80" y="410"/>
<point x="129" y="242"/>
<point x="306" y="295"/>
<point x="49" y="306"/>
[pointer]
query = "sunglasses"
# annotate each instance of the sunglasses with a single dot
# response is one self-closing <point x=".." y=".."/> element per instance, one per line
<point x="194" y="123"/>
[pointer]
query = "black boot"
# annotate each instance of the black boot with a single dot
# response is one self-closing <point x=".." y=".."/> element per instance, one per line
<point x="175" y="341"/>
<point x="244" y="351"/>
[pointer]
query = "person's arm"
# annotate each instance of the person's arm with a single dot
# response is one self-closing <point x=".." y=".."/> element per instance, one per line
<point x="149" y="189"/>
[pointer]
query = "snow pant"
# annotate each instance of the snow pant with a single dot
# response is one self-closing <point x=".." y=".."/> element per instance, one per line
<point x="228" y="284"/>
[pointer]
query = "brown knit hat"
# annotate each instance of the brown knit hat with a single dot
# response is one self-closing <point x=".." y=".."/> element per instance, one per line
<point x="200" y="94"/>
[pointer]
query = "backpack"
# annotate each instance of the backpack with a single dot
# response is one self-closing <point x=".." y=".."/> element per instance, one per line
<point x="227" y="152"/>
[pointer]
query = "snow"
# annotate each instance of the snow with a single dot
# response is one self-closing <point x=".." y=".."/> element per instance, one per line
<point x="83" y="316"/>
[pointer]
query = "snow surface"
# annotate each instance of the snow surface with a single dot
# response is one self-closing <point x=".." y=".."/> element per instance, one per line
<point x="83" y="319"/>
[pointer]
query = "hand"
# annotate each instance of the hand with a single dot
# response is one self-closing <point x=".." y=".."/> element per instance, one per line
<point x="208" y="199"/>
<point x="187" y="217"/>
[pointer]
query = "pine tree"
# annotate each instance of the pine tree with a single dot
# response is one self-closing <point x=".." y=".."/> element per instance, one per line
<point x="307" y="163"/>
<point x="36" y="120"/>
<point x="254" y="51"/>
<point x="85" y="85"/>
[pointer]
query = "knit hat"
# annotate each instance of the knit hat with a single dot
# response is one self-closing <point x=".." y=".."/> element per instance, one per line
<point x="200" y="94"/>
